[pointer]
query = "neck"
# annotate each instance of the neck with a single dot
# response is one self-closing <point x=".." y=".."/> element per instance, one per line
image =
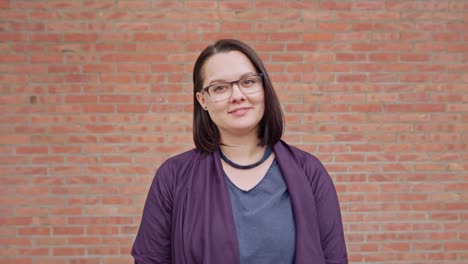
<point x="242" y="150"/>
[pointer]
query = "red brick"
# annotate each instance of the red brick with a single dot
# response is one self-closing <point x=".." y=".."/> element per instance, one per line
<point x="334" y="26"/>
<point x="384" y="57"/>
<point x="237" y="5"/>
<point x="13" y="58"/>
<point x="414" y="57"/>
<point x="79" y="37"/>
<point x="149" y="36"/>
<point x="281" y="36"/>
<point x="140" y="68"/>
<point x="32" y="231"/>
<point x="335" y="5"/>
<point x="335" y="68"/>
<point x="75" y="251"/>
<point x="322" y="36"/>
<point x="101" y="230"/>
<point x="368" y="5"/>
<point x="117" y="260"/>
<point x="81" y="99"/>
<point x="447" y="37"/>
<point x="92" y="68"/>
<point x="134" y="5"/>
<point x="69" y="16"/>
<point x="351" y="78"/>
<point x="11" y="37"/>
<point x="98" y="108"/>
<point x="235" y="26"/>
<point x="68" y="231"/>
<point x="4" y="4"/>
<point x="416" y="36"/>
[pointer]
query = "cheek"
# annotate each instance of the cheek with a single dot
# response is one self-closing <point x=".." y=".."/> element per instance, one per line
<point x="217" y="114"/>
<point x="217" y="108"/>
<point x="260" y="100"/>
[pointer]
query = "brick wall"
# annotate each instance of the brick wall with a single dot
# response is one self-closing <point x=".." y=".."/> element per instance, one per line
<point x="95" y="94"/>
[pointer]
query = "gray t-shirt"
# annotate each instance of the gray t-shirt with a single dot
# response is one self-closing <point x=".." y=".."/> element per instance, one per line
<point x="264" y="220"/>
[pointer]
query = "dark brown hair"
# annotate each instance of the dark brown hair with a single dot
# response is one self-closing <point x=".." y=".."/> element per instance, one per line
<point x="206" y="134"/>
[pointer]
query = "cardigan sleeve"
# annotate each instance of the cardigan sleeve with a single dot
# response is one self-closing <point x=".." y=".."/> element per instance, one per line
<point x="153" y="241"/>
<point x="329" y="217"/>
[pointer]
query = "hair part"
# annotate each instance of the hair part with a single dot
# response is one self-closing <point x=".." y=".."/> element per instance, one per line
<point x="206" y="135"/>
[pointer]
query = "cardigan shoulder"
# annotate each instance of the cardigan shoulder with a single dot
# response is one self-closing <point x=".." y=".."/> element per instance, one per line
<point x="172" y="170"/>
<point x="303" y="158"/>
<point x="181" y="159"/>
<point x="312" y="167"/>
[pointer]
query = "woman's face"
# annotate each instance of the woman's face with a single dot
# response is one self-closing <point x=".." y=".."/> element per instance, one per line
<point x="241" y="113"/>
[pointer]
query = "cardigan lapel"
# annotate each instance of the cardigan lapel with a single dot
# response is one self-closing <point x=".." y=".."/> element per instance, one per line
<point x="308" y="245"/>
<point x="209" y="220"/>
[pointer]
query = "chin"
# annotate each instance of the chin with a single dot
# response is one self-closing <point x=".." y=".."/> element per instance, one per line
<point x="244" y="128"/>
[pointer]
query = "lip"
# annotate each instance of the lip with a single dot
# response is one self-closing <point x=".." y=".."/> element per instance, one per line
<point x="239" y="109"/>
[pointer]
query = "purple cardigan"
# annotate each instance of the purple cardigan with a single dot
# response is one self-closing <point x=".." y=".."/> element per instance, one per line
<point x="188" y="218"/>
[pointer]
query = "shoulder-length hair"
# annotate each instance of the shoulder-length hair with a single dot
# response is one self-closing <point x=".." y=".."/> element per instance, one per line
<point x="206" y="134"/>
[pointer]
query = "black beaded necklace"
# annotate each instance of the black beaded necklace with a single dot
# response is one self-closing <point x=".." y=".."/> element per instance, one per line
<point x="266" y="155"/>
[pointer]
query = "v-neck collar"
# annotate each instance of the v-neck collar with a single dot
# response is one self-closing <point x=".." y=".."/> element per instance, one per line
<point x="231" y="183"/>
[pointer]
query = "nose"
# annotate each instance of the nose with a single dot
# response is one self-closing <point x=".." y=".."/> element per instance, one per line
<point x="237" y="93"/>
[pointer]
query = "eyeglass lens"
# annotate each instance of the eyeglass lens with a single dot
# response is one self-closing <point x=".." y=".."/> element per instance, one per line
<point x="223" y="91"/>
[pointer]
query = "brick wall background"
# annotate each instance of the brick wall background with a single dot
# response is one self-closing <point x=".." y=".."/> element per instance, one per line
<point x="95" y="94"/>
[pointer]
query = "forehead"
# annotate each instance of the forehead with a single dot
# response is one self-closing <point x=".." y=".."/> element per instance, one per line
<point x="226" y="66"/>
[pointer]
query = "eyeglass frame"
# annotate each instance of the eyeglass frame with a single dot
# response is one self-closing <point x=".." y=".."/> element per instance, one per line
<point x="231" y="83"/>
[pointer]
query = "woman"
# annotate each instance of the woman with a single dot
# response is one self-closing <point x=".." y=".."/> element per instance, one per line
<point x="242" y="195"/>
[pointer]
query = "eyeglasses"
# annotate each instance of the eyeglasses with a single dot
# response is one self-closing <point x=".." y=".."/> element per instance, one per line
<point x="221" y="91"/>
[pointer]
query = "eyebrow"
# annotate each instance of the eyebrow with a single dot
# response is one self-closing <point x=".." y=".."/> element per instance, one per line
<point x="240" y="77"/>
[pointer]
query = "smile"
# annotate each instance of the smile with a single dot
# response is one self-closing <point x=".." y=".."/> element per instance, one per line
<point x="239" y="110"/>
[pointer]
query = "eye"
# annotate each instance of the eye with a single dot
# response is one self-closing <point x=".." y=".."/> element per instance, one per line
<point x="247" y="82"/>
<point x="219" y="88"/>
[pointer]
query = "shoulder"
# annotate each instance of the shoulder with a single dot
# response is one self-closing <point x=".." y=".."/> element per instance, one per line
<point x="308" y="163"/>
<point x="174" y="168"/>
<point x="303" y="158"/>
<point x="180" y="161"/>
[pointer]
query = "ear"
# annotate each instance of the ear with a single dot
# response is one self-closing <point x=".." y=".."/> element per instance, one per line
<point x="201" y="100"/>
